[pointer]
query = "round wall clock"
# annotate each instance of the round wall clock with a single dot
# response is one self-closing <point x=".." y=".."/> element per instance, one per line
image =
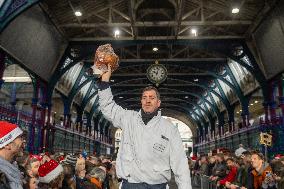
<point x="157" y="73"/>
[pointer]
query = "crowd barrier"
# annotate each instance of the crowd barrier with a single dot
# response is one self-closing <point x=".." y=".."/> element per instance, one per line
<point x="203" y="182"/>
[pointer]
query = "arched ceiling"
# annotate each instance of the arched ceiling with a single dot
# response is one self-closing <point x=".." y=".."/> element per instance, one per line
<point x="202" y="80"/>
<point x="198" y="68"/>
<point x="142" y="19"/>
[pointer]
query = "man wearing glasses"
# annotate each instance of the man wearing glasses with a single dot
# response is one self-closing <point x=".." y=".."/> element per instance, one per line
<point x="12" y="143"/>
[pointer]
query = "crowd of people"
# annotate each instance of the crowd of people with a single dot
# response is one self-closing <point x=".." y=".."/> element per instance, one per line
<point x="71" y="171"/>
<point x="23" y="170"/>
<point x="245" y="169"/>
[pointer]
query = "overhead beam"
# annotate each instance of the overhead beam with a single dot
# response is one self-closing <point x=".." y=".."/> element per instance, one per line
<point x="184" y="29"/>
<point x="145" y="85"/>
<point x="169" y="74"/>
<point x="144" y="12"/>
<point x="127" y="31"/>
<point x="190" y="13"/>
<point x="151" y="38"/>
<point x="126" y="17"/>
<point x="179" y="16"/>
<point x="131" y="12"/>
<point x="184" y="60"/>
<point x="159" y="24"/>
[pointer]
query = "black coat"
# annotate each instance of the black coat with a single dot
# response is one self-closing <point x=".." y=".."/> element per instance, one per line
<point x="4" y="184"/>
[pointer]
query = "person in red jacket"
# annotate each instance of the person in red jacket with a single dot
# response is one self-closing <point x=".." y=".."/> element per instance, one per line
<point x="230" y="177"/>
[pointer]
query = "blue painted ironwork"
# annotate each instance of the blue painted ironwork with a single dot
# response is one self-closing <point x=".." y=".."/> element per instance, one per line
<point x="230" y="109"/>
<point x="92" y="91"/>
<point x="2" y="67"/>
<point x="221" y="46"/>
<point x="80" y="82"/>
<point x="225" y="101"/>
<point x="67" y="61"/>
<point x="213" y="74"/>
<point x="244" y="100"/>
<point x="233" y="85"/>
<point x="207" y="113"/>
<point x="13" y="94"/>
<point x="254" y="69"/>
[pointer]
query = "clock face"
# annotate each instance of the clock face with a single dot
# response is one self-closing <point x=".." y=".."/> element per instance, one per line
<point x="157" y="73"/>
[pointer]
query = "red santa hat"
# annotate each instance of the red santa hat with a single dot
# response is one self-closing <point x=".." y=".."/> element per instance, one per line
<point x="194" y="158"/>
<point x="49" y="171"/>
<point x="277" y="156"/>
<point x="8" y="133"/>
<point x="33" y="156"/>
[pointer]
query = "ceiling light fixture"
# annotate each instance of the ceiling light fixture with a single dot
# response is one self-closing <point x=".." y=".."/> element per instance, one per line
<point x="116" y="33"/>
<point x="121" y="97"/>
<point x="155" y="49"/>
<point x="195" y="80"/>
<point x="186" y="97"/>
<point x="255" y="101"/>
<point x="251" y="104"/>
<point x="78" y="13"/>
<point x="235" y="10"/>
<point x="194" y="32"/>
<point x="17" y="79"/>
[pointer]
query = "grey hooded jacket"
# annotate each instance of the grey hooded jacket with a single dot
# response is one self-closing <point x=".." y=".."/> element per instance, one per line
<point x="13" y="175"/>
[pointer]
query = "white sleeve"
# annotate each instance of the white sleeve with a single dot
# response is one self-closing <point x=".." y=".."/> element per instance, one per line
<point x="178" y="161"/>
<point x="111" y="111"/>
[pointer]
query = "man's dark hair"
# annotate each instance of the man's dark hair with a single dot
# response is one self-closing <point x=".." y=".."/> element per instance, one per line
<point x="246" y="153"/>
<point x="230" y="159"/>
<point x="260" y="155"/>
<point x="221" y="155"/>
<point x="150" y="88"/>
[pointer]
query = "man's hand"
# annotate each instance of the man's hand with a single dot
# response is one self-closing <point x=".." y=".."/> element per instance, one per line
<point x="106" y="75"/>
<point x="218" y="183"/>
<point x="228" y="184"/>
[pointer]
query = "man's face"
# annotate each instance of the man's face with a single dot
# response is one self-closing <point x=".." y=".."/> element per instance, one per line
<point x="247" y="159"/>
<point x="212" y="159"/>
<point x="256" y="161"/>
<point x="149" y="101"/>
<point x="203" y="160"/>
<point x="218" y="159"/>
<point x="18" y="146"/>
<point x="230" y="163"/>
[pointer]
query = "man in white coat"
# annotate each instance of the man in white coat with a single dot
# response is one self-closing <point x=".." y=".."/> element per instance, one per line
<point x="150" y="147"/>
